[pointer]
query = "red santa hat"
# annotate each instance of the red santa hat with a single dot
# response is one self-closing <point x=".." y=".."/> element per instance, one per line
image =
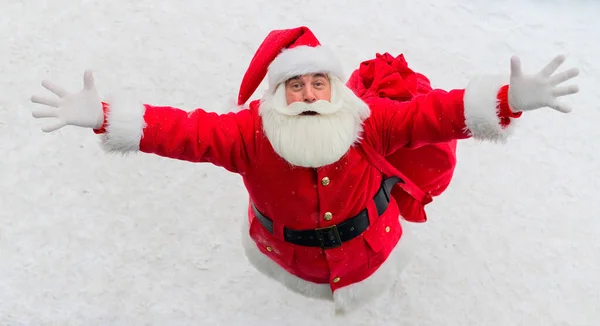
<point x="284" y="54"/>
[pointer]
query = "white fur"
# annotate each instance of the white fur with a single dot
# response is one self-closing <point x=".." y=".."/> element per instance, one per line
<point x="314" y="141"/>
<point x="345" y="299"/>
<point x="481" y="109"/>
<point x="125" y="124"/>
<point x="302" y="60"/>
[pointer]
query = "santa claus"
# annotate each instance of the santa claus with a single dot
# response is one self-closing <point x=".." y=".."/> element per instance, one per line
<point x="321" y="220"/>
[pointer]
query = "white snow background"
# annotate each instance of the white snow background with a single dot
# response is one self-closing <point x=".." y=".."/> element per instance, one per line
<point x="92" y="239"/>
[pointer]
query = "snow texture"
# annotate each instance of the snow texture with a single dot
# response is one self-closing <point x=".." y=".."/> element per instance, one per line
<point x="88" y="238"/>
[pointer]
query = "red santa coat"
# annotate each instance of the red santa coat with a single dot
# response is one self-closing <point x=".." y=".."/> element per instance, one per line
<point x="305" y="198"/>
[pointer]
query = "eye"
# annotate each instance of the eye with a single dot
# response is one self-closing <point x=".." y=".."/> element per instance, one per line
<point x="319" y="83"/>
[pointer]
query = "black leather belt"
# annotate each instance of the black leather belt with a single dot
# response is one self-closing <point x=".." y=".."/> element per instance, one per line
<point x="333" y="236"/>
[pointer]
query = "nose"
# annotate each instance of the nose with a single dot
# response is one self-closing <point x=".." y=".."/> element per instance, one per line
<point x="309" y="95"/>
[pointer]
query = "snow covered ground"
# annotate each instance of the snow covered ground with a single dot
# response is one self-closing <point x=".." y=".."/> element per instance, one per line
<point x="92" y="239"/>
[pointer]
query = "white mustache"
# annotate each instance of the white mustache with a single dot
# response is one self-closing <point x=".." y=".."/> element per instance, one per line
<point x="321" y="107"/>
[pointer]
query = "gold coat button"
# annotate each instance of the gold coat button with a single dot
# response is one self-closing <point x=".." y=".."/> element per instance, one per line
<point x="335" y="280"/>
<point x="328" y="216"/>
<point x="269" y="249"/>
<point x="387" y="229"/>
<point x="325" y="181"/>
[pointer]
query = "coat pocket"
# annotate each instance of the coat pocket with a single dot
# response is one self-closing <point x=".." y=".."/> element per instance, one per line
<point x="382" y="236"/>
<point x="277" y="250"/>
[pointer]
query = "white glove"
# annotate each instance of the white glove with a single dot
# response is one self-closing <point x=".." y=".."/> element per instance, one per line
<point x="531" y="92"/>
<point x="83" y="109"/>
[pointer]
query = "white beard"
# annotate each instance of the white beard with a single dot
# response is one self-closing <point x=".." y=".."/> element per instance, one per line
<point x="313" y="140"/>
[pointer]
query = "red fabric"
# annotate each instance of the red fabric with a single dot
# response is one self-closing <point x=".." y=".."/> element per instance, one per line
<point x="504" y="111"/>
<point x="102" y="129"/>
<point x="429" y="166"/>
<point x="294" y="197"/>
<point x="388" y="76"/>
<point x="272" y="45"/>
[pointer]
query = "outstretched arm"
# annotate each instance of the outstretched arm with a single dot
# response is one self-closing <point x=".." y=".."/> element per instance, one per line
<point x="225" y="140"/>
<point x="486" y="109"/>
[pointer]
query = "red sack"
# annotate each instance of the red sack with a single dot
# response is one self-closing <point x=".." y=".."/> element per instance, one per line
<point x="428" y="169"/>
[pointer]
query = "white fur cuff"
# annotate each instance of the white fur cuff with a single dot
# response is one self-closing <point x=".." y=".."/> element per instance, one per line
<point x="481" y="109"/>
<point x="125" y="124"/>
<point x="303" y="60"/>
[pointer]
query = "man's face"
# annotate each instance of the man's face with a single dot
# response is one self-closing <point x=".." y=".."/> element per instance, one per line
<point x="312" y="120"/>
<point x="308" y="88"/>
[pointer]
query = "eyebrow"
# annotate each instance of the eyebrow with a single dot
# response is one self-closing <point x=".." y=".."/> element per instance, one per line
<point x="297" y="77"/>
